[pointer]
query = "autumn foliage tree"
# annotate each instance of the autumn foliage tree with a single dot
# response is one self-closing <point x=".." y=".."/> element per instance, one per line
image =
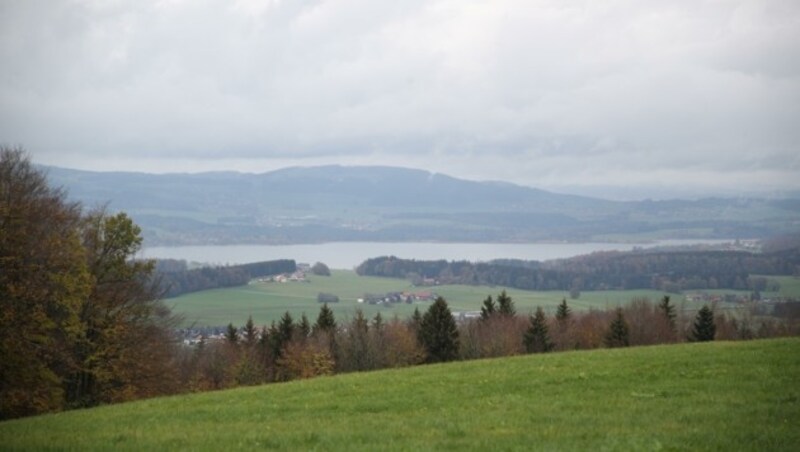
<point x="43" y="282"/>
<point x="80" y="323"/>
<point x="123" y="350"/>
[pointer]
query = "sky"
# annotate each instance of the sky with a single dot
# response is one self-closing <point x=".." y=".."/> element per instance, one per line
<point x="626" y="99"/>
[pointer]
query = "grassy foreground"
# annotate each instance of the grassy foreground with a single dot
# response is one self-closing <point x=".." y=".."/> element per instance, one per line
<point x="721" y="396"/>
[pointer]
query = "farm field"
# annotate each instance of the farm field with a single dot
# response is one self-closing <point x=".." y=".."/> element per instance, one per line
<point x="705" y="396"/>
<point x="268" y="301"/>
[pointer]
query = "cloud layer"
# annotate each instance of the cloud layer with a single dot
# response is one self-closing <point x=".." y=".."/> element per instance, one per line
<point x="545" y="93"/>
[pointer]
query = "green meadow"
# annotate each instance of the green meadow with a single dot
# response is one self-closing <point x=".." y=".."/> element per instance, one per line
<point x="704" y="396"/>
<point x="268" y="301"/>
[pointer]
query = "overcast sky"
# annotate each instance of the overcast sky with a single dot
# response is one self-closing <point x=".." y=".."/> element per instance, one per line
<point x="694" y="96"/>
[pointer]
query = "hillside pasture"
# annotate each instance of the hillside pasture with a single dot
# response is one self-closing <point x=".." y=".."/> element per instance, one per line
<point x="704" y="396"/>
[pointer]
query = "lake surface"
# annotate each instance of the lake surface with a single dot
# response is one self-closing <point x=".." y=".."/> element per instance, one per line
<point x="347" y="255"/>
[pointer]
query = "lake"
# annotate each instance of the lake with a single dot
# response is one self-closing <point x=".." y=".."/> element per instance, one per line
<point x="347" y="255"/>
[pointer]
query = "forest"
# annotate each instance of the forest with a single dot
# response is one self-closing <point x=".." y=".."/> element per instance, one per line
<point x="660" y="270"/>
<point x="175" y="278"/>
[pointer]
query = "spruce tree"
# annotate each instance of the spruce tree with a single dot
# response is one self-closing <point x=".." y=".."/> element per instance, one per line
<point x="282" y="335"/>
<point x="563" y="312"/>
<point x="618" y="331"/>
<point x="438" y="333"/>
<point x="231" y="334"/>
<point x="488" y="308"/>
<point x="325" y="320"/>
<point x="250" y="332"/>
<point x="669" y="312"/>
<point x="537" y="339"/>
<point x="505" y="305"/>
<point x="304" y="327"/>
<point x="704" y="327"/>
<point x="377" y="322"/>
<point x="416" y="320"/>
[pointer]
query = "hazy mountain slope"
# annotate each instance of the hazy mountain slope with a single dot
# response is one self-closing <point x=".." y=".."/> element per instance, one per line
<point x="384" y="203"/>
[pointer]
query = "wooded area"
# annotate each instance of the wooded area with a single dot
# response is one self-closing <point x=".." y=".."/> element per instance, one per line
<point x="659" y="270"/>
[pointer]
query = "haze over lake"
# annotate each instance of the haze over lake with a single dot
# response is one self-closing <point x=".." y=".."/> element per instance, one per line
<point x="347" y="255"/>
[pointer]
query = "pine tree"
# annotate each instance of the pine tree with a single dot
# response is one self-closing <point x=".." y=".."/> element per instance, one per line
<point x="250" y="332"/>
<point x="563" y="312"/>
<point x="232" y="334"/>
<point x="704" y="327"/>
<point x="377" y="322"/>
<point x="282" y="335"/>
<point x="304" y="327"/>
<point x="505" y="305"/>
<point x="618" y="331"/>
<point x="438" y="333"/>
<point x="537" y="339"/>
<point x="488" y="308"/>
<point x="669" y="311"/>
<point x="416" y="320"/>
<point x="325" y="320"/>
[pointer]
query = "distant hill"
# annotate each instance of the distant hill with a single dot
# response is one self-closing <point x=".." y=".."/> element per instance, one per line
<point x="338" y="203"/>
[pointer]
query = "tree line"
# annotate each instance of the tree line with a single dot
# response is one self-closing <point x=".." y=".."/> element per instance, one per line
<point x="175" y="278"/>
<point x="660" y="270"/>
<point x="297" y="348"/>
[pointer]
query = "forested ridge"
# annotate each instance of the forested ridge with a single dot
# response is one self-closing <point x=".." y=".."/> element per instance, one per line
<point x="659" y="270"/>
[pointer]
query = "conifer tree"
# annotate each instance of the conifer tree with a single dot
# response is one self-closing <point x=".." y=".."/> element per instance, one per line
<point x="250" y="332"/>
<point x="325" y="320"/>
<point x="356" y="347"/>
<point x="377" y="322"/>
<point x="416" y="320"/>
<point x="505" y="305"/>
<point x="304" y="327"/>
<point x="438" y="333"/>
<point x="282" y="335"/>
<point x="537" y="339"/>
<point x="704" y="327"/>
<point x="563" y="312"/>
<point x="618" y="331"/>
<point x="232" y="334"/>
<point x="669" y="311"/>
<point x="488" y="308"/>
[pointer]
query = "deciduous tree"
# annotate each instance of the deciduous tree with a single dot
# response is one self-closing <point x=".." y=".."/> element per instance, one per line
<point x="43" y="281"/>
<point x="126" y="346"/>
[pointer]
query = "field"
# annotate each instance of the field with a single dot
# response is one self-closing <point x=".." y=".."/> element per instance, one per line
<point x="710" y="396"/>
<point x="268" y="301"/>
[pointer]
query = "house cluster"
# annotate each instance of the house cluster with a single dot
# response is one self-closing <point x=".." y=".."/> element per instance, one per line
<point x="702" y="297"/>
<point x="397" y="297"/>
<point x="298" y="276"/>
<point x="194" y="336"/>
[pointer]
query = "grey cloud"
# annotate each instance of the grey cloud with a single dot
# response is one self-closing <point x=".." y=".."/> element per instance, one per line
<point x="526" y="91"/>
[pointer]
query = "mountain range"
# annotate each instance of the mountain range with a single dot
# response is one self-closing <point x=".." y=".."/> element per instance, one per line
<point x="340" y="203"/>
